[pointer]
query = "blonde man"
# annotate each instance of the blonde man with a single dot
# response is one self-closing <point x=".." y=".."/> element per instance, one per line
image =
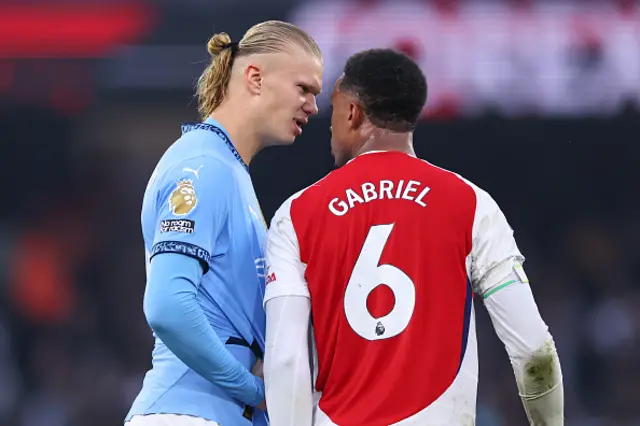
<point x="204" y="234"/>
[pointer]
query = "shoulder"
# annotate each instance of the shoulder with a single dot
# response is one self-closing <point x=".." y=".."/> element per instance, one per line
<point x="192" y="157"/>
<point x="185" y="182"/>
<point x="199" y="140"/>
<point x="284" y="211"/>
<point x="451" y="178"/>
<point x="308" y="196"/>
<point x="481" y="198"/>
<point x="203" y="131"/>
<point x="485" y="204"/>
<point x="200" y="143"/>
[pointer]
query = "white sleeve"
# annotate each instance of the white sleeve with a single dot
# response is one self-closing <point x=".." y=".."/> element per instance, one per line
<point x="531" y="349"/>
<point x="494" y="252"/>
<point x="498" y="276"/>
<point x="287" y="370"/>
<point x="285" y="270"/>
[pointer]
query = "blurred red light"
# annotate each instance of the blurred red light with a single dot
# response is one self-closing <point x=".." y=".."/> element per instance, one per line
<point x="70" y="31"/>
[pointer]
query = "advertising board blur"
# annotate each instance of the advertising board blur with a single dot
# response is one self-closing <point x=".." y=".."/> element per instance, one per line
<point x="543" y="59"/>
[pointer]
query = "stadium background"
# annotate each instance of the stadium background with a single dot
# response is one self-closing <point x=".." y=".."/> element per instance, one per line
<point x="535" y="101"/>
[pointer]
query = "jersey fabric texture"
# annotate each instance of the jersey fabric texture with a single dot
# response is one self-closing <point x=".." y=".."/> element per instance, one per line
<point x="200" y="203"/>
<point x="390" y="250"/>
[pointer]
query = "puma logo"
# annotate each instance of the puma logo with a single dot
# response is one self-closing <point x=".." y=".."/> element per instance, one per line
<point x="194" y="171"/>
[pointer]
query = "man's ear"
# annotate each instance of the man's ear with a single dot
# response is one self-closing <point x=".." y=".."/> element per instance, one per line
<point x="253" y="78"/>
<point x="356" y="115"/>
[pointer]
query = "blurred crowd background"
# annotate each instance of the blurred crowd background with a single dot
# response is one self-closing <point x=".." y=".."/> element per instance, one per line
<point x="537" y="102"/>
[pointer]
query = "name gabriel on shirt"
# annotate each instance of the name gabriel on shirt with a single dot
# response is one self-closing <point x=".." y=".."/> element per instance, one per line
<point x="385" y="189"/>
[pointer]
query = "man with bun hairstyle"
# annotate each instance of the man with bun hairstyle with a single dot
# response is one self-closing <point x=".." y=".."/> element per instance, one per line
<point x="204" y="233"/>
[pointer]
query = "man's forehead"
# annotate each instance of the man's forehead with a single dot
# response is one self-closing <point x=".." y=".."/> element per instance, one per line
<point x="336" y="86"/>
<point x="305" y="65"/>
<point x="311" y="75"/>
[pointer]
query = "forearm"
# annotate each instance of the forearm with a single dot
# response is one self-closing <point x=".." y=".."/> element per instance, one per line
<point x="177" y="319"/>
<point x="540" y="387"/>
<point x="532" y="351"/>
<point x="287" y="369"/>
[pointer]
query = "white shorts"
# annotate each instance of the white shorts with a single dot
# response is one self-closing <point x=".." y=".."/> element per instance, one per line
<point x="169" y="420"/>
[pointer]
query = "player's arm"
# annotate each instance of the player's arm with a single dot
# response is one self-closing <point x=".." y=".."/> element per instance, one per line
<point x="192" y="209"/>
<point x="287" y="370"/>
<point x="499" y="278"/>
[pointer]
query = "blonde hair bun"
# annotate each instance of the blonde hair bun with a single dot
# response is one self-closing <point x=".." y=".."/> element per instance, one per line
<point x="217" y="43"/>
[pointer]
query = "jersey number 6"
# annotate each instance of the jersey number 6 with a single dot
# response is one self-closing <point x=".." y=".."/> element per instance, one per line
<point x="366" y="276"/>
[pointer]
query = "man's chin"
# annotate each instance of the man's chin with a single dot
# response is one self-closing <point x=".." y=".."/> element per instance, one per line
<point x="290" y="139"/>
<point x="281" y="141"/>
<point x="338" y="162"/>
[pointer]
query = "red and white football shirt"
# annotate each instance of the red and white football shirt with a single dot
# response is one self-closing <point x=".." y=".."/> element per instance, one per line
<point x="390" y="250"/>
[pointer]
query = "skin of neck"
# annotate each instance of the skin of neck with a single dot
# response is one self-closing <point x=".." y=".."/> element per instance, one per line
<point x="244" y="136"/>
<point x="387" y="140"/>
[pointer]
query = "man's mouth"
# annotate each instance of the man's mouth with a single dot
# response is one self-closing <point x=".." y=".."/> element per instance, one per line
<point x="300" y="123"/>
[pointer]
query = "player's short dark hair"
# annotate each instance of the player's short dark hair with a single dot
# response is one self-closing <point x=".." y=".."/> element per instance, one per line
<point x="391" y="87"/>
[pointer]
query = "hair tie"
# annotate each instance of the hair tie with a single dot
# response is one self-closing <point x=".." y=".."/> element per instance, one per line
<point x="233" y="46"/>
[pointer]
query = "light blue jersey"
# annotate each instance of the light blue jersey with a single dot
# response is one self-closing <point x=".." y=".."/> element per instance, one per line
<point x="200" y="208"/>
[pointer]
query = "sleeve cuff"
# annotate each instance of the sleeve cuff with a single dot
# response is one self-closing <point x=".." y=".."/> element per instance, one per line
<point x="186" y="249"/>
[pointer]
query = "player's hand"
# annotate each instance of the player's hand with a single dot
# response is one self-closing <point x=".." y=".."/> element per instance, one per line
<point x="256" y="370"/>
<point x="262" y="406"/>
